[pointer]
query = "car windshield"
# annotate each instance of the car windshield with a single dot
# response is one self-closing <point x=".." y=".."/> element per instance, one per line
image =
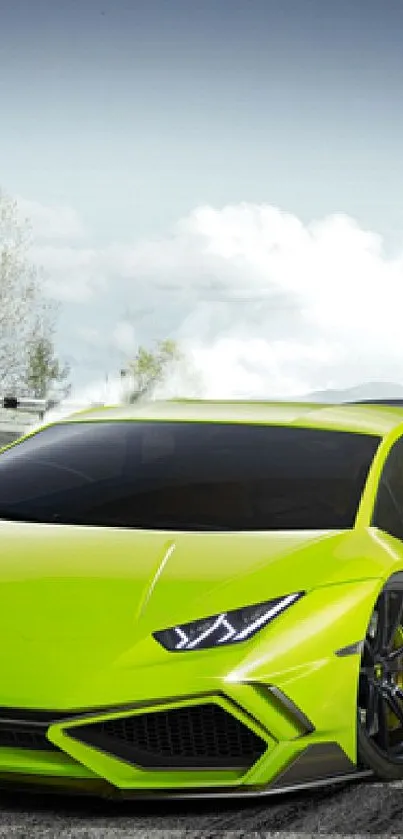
<point x="186" y="476"/>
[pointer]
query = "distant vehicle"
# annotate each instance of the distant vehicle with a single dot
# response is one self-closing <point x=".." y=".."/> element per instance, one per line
<point x="203" y="599"/>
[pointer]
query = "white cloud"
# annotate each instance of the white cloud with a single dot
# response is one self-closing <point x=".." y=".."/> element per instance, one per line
<point x="348" y="297"/>
<point x="72" y="270"/>
<point x="71" y="274"/>
<point x="51" y="221"/>
<point x="265" y="305"/>
<point x="277" y="307"/>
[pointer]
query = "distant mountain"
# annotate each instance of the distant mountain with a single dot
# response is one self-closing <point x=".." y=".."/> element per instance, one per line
<point x="368" y="390"/>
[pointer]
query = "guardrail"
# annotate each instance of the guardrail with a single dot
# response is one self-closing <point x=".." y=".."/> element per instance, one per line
<point x="41" y="406"/>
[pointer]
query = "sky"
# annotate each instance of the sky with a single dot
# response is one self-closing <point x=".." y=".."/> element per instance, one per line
<point x="226" y="172"/>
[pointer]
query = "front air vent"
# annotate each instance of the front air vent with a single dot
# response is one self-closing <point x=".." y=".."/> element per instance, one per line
<point x="198" y="736"/>
<point x="16" y="735"/>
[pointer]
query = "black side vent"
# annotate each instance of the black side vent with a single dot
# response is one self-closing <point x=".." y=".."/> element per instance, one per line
<point x="16" y="735"/>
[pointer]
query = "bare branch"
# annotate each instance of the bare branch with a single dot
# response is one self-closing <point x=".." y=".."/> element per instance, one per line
<point x="25" y="314"/>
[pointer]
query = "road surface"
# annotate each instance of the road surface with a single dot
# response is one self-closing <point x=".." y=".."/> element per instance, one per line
<point x="362" y="809"/>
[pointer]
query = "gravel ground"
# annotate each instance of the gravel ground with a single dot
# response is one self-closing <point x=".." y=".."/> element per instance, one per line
<point x="359" y="810"/>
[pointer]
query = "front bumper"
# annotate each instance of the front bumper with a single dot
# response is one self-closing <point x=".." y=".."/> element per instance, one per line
<point x="62" y="753"/>
<point x="289" y="690"/>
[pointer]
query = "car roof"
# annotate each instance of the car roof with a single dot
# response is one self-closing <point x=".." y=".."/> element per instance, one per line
<point x="377" y="419"/>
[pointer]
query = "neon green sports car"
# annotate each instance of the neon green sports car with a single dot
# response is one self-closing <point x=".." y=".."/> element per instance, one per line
<point x="203" y="599"/>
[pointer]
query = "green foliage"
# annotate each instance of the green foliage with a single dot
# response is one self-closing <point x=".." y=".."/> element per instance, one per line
<point x="148" y="368"/>
<point x="44" y="370"/>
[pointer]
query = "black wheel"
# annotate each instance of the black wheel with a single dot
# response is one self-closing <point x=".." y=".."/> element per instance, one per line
<point x="380" y="690"/>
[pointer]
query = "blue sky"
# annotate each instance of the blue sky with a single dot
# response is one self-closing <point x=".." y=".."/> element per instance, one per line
<point x="134" y="114"/>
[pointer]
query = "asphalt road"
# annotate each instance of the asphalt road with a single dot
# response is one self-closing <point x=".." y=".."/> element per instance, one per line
<point x="362" y="809"/>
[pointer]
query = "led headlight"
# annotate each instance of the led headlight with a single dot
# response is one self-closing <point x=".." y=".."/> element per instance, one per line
<point x="226" y="628"/>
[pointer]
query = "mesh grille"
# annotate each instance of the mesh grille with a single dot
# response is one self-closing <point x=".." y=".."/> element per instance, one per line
<point x="18" y="737"/>
<point x="198" y="736"/>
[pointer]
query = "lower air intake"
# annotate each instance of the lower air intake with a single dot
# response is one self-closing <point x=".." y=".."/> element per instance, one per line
<point x="25" y="737"/>
<point x="198" y="737"/>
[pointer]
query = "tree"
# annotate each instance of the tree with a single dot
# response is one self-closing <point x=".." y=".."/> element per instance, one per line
<point x="25" y="313"/>
<point x="148" y="368"/>
<point x="167" y="372"/>
<point x="45" y="370"/>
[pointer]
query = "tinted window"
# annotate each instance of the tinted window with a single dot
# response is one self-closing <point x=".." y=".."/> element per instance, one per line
<point x="187" y="476"/>
<point x="388" y="513"/>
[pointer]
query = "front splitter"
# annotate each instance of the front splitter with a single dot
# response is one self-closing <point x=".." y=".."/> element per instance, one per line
<point x="103" y="790"/>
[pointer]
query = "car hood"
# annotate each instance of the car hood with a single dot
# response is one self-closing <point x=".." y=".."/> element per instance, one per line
<point x="60" y="581"/>
<point x="79" y="604"/>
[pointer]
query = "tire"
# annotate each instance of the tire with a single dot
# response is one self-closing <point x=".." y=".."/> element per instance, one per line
<point x="380" y="689"/>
